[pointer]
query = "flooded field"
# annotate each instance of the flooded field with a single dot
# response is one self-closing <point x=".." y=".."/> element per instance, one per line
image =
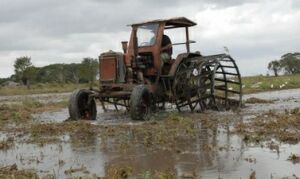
<point x="261" y="140"/>
<point x="44" y="98"/>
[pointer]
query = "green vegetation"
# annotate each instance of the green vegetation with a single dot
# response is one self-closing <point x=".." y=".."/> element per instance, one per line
<point x="274" y="66"/>
<point x="89" y="69"/>
<point x="254" y="100"/>
<point x="21" y="65"/>
<point x="289" y="63"/>
<point x="23" y="112"/>
<point x="283" y="127"/>
<point x="254" y="84"/>
<point x="42" y="88"/>
<point x="27" y="74"/>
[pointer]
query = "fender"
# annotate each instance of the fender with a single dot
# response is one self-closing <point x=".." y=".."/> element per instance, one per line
<point x="179" y="59"/>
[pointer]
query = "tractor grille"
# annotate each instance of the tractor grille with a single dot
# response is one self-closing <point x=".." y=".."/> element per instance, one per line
<point x="112" y="67"/>
<point x="108" y="69"/>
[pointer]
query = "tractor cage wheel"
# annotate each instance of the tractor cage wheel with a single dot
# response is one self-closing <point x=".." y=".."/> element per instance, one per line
<point x="207" y="82"/>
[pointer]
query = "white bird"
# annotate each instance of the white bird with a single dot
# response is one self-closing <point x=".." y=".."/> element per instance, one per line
<point x="226" y="50"/>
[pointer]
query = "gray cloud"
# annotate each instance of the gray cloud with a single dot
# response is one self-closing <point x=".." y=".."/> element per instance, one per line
<point x="52" y="31"/>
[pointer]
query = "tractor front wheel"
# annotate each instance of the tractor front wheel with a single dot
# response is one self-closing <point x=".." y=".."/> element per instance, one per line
<point x="140" y="103"/>
<point x="81" y="106"/>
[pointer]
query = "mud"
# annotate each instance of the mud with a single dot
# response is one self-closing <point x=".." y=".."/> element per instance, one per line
<point x="254" y="100"/>
<point x="12" y="171"/>
<point x="170" y="145"/>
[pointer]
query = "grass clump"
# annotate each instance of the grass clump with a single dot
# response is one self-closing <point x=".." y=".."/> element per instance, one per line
<point x="12" y="172"/>
<point x="45" y="133"/>
<point x="61" y="128"/>
<point x="294" y="158"/>
<point x="165" y="174"/>
<point x="254" y="100"/>
<point x="168" y="134"/>
<point x="284" y="127"/>
<point x="6" y="144"/>
<point x="23" y="112"/>
<point x="118" y="172"/>
<point x="16" y="113"/>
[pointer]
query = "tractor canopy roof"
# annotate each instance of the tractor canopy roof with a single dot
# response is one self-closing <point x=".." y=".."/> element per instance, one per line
<point x="174" y="22"/>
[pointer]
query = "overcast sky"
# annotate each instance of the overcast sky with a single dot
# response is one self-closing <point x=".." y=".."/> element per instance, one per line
<point x="65" y="31"/>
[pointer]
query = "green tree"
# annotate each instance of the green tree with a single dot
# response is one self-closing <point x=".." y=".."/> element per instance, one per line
<point x="52" y="73"/>
<point x="89" y="69"/>
<point x="3" y="80"/>
<point x="30" y="74"/>
<point x="274" y="66"/>
<point x="290" y="63"/>
<point x="21" y="64"/>
<point x="72" y="73"/>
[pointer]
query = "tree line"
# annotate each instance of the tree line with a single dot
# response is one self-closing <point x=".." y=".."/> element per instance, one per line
<point x="86" y="71"/>
<point x="289" y="63"/>
<point x="27" y="74"/>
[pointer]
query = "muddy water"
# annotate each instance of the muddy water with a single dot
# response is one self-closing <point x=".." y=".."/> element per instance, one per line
<point x="229" y="158"/>
<point x="110" y="116"/>
<point x="55" y="159"/>
<point x="284" y="99"/>
<point x="215" y="153"/>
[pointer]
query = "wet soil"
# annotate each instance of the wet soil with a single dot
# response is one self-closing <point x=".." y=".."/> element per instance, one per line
<point x="171" y="145"/>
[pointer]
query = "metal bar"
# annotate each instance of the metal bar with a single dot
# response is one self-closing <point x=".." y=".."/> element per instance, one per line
<point x="227" y="73"/>
<point x="187" y="39"/>
<point x="116" y="94"/>
<point x="116" y="103"/>
<point x="228" y="81"/>
<point x="227" y="90"/>
<point x="228" y="66"/>
<point x="183" y="43"/>
<point x="239" y="77"/>
<point x="164" y="83"/>
<point x="215" y="56"/>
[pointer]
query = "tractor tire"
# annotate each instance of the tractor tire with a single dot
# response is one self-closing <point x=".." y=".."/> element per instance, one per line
<point x="140" y="103"/>
<point x="79" y="107"/>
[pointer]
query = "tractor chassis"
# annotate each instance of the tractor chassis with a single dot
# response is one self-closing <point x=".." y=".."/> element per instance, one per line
<point x="199" y="83"/>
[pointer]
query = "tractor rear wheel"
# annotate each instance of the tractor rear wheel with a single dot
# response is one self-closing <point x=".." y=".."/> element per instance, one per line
<point x="81" y="106"/>
<point x="140" y="103"/>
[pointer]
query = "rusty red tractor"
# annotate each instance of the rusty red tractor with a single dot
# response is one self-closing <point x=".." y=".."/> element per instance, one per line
<point x="141" y="82"/>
